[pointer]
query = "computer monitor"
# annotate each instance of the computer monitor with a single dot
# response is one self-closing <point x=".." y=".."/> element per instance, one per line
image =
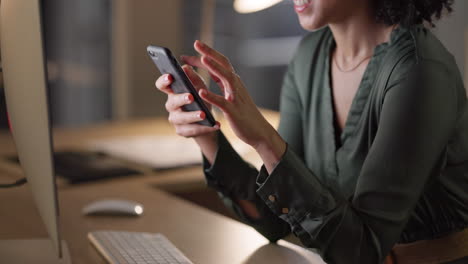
<point x="25" y="82"/>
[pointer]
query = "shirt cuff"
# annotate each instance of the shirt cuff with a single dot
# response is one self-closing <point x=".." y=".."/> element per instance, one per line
<point x="230" y="174"/>
<point x="292" y="191"/>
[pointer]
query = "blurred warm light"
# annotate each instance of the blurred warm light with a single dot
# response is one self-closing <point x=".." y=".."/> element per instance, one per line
<point x="138" y="209"/>
<point x="249" y="6"/>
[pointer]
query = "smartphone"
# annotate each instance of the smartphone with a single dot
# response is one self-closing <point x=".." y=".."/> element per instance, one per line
<point x="166" y="63"/>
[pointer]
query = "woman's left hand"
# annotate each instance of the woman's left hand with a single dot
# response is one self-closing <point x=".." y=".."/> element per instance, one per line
<point x="237" y="106"/>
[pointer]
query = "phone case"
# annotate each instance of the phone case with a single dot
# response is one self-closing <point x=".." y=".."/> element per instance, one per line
<point x="166" y="63"/>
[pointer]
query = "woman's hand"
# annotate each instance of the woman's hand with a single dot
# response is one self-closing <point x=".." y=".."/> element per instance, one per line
<point x="185" y="122"/>
<point x="236" y="104"/>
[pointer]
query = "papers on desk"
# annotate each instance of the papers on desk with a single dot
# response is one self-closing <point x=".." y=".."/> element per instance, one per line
<point x="158" y="152"/>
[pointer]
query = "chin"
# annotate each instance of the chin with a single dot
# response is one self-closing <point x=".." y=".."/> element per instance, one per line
<point x="311" y="24"/>
<point x="316" y="14"/>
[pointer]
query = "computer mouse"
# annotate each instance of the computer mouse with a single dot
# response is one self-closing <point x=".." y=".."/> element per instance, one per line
<point x="113" y="207"/>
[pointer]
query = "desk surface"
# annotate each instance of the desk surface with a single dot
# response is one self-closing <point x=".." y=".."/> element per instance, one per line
<point x="204" y="236"/>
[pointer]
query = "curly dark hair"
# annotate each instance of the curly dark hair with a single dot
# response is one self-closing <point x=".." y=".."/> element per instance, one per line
<point x="410" y="12"/>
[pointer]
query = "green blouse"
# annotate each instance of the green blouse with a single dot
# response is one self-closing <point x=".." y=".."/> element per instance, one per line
<point x="398" y="172"/>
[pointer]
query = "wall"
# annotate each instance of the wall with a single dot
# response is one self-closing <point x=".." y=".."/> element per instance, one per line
<point x="77" y="38"/>
<point x="452" y="30"/>
<point x="137" y="24"/>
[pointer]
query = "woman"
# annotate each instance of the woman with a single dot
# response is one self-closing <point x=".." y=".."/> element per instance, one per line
<point x="370" y="162"/>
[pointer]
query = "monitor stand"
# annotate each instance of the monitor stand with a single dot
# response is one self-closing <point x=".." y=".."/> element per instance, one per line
<point x="29" y="251"/>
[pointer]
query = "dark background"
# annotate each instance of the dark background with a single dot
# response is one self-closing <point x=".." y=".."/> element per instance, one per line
<point x="78" y="38"/>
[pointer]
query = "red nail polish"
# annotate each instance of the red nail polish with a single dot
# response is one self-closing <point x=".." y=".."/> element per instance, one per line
<point x="201" y="115"/>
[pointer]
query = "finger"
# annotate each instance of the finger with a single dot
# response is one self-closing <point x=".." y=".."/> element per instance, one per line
<point x="183" y="118"/>
<point x="227" y="77"/>
<point x="206" y="50"/>
<point x="192" y="130"/>
<point x="163" y="83"/>
<point x="175" y="101"/>
<point x="192" y="60"/>
<point x="196" y="80"/>
<point x="196" y="62"/>
<point x="214" y="99"/>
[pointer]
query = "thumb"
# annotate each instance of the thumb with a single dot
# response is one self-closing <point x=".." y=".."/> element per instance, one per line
<point x="214" y="99"/>
<point x="196" y="80"/>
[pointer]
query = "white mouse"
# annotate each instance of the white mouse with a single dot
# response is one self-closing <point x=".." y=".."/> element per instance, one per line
<point x="113" y="207"/>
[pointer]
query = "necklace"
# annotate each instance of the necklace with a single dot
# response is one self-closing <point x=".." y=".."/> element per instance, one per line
<point x="352" y="68"/>
<point x="363" y="60"/>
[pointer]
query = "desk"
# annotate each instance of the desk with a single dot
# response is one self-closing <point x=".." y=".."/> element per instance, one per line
<point x="204" y="236"/>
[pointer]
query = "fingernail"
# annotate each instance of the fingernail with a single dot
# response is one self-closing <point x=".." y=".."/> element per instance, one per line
<point x="188" y="98"/>
<point x="217" y="126"/>
<point x="201" y="43"/>
<point x="201" y="115"/>
<point x="166" y="78"/>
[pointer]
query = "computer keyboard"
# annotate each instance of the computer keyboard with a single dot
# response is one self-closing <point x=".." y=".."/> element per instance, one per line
<point x="136" y="248"/>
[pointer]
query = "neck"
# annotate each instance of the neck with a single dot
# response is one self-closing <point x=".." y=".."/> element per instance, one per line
<point x="357" y="35"/>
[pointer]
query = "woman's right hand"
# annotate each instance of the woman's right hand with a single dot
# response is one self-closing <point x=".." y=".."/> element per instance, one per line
<point x="185" y="122"/>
